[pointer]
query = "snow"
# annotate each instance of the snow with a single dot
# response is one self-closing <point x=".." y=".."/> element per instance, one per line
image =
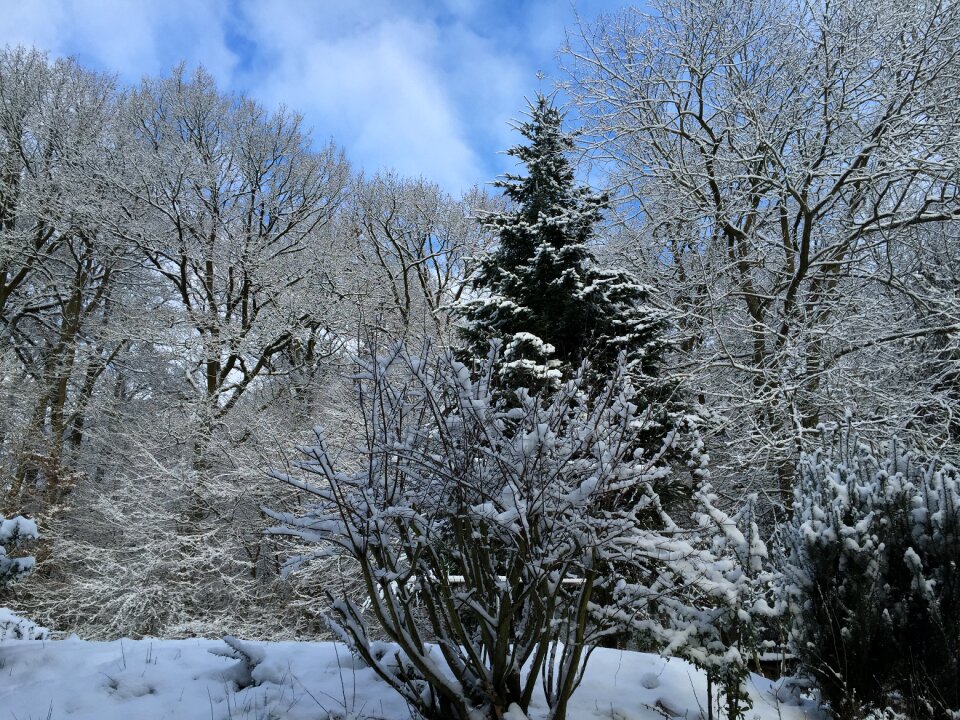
<point x="17" y="527"/>
<point x="13" y="532"/>
<point x="186" y="679"/>
<point x="14" y="627"/>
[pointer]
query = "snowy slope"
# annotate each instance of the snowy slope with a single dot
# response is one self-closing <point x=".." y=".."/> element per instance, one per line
<point x="183" y="679"/>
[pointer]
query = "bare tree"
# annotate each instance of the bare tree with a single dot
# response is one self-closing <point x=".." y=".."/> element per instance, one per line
<point x="414" y="242"/>
<point x="58" y="262"/>
<point x="774" y="159"/>
<point x="225" y="203"/>
<point x="219" y="212"/>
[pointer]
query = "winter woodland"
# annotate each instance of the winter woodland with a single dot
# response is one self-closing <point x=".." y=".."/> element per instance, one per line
<point x="685" y="384"/>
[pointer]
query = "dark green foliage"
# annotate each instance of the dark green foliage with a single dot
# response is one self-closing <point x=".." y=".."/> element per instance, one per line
<point x="541" y="294"/>
<point x="14" y="532"/>
<point x="874" y="580"/>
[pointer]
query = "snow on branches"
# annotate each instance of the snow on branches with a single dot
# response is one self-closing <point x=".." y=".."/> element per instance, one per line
<point x="542" y="292"/>
<point x="14" y="532"/>
<point x="489" y="533"/>
<point x="872" y="580"/>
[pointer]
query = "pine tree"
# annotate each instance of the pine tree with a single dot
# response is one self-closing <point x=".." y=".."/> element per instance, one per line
<point x="871" y="577"/>
<point x="14" y="532"/>
<point x="546" y="300"/>
<point x="541" y="293"/>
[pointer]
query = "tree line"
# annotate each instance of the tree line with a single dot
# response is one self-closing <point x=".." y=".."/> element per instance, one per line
<point x="183" y="273"/>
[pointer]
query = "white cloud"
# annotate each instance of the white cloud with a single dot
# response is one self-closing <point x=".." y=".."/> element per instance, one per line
<point x="126" y="37"/>
<point x="423" y="87"/>
<point x="25" y="23"/>
<point x="374" y="79"/>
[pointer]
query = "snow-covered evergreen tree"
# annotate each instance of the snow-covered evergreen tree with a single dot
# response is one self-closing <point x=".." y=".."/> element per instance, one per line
<point x="705" y="601"/>
<point x="15" y="627"/>
<point x="541" y="294"/>
<point x="717" y="629"/>
<point x="13" y="533"/>
<point x="873" y="579"/>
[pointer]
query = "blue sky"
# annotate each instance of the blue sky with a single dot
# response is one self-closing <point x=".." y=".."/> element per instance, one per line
<point x="425" y="88"/>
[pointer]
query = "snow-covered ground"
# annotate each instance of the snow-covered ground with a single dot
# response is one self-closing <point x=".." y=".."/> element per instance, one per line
<point x="187" y="679"/>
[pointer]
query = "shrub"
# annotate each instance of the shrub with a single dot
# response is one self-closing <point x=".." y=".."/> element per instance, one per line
<point x="14" y="532"/>
<point x="483" y="529"/>
<point x="872" y="579"/>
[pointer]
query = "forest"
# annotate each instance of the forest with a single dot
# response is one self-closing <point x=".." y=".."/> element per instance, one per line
<point x="686" y="382"/>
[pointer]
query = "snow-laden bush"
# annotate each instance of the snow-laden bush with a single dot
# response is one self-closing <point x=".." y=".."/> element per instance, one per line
<point x="14" y="532"/>
<point x="15" y="627"/>
<point x="706" y="602"/>
<point x="873" y="579"/>
<point x="716" y="627"/>
<point x="484" y="530"/>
